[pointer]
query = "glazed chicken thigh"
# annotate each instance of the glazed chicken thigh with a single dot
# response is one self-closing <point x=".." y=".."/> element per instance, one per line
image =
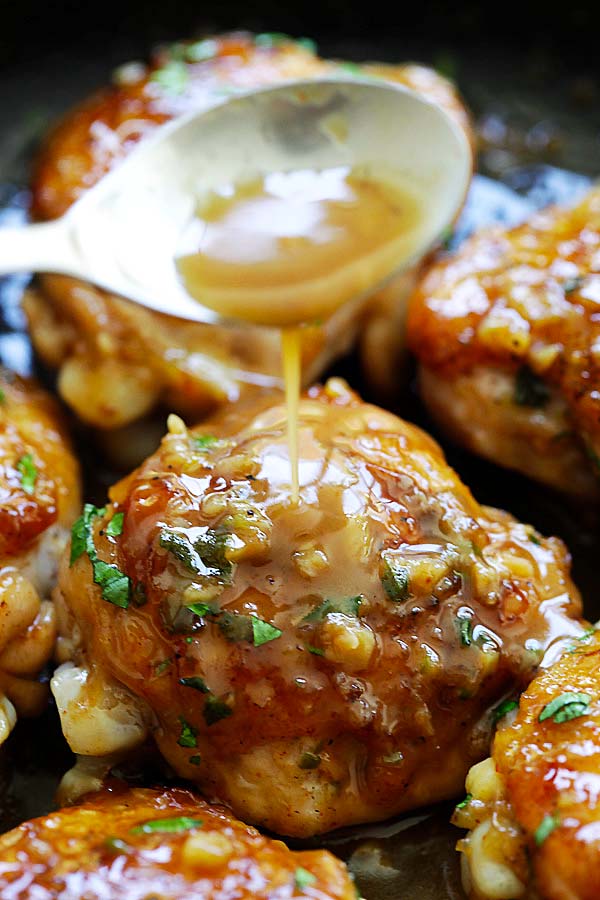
<point x="311" y="665"/>
<point x="507" y="334"/>
<point x="39" y="499"/>
<point x="116" y="361"/>
<point x="532" y="809"/>
<point x="141" y="843"/>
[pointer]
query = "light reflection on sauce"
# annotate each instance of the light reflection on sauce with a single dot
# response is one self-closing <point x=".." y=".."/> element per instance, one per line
<point x="292" y="247"/>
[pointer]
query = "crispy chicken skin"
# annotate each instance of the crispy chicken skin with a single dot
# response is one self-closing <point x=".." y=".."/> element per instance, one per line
<point x="507" y="333"/>
<point x="312" y="666"/>
<point x="534" y="814"/>
<point x="39" y="499"/>
<point x="117" y="361"/>
<point x="133" y="844"/>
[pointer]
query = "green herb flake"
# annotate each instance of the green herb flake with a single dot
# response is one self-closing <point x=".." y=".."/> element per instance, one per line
<point x="503" y="709"/>
<point x="195" y="760"/>
<point x="303" y="878"/>
<point x="465" y="802"/>
<point x="263" y="632"/>
<point x="115" y="585"/>
<point x="316" y="651"/>
<point x="394" y="759"/>
<point x="529" y="389"/>
<point x="187" y="738"/>
<point x="573" y="284"/>
<point x="161" y="667"/>
<point x="395" y="579"/>
<point x="117" y="847"/>
<point x="29" y="473"/>
<point x="202" y="609"/>
<point x="205" y="556"/>
<point x="309" y="760"/>
<point x="195" y="682"/>
<point x="168" y="826"/>
<point x="235" y="627"/>
<point x="172" y="78"/>
<point x="548" y="824"/>
<point x="2" y="396"/>
<point x="566" y="707"/>
<point x="203" y="441"/>
<point x="347" y="606"/>
<point x="534" y="539"/>
<point x="215" y="710"/>
<point x="115" y="526"/>
<point x="81" y="533"/>
<point x="465" y="631"/>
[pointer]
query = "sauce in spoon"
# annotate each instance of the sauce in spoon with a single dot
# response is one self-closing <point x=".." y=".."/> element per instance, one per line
<point x="290" y="248"/>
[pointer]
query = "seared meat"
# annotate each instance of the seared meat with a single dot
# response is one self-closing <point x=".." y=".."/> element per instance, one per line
<point x="533" y="811"/>
<point x="507" y="333"/>
<point x="136" y="844"/>
<point x="39" y="499"/>
<point x="117" y="361"/>
<point x="315" y="665"/>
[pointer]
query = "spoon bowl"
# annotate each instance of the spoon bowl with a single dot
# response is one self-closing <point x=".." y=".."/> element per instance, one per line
<point x="123" y="234"/>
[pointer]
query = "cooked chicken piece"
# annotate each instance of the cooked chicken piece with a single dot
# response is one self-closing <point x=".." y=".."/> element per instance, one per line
<point x="533" y="807"/>
<point x="116" y="360"/>
<point x="39" y="499"/>
<point x="315" y="665"/>
<point x="507" y="333"/>
<point x="139" y="843"/>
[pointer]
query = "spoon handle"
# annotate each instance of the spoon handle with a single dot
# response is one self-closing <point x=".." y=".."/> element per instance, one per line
<point x="38" y="248"/>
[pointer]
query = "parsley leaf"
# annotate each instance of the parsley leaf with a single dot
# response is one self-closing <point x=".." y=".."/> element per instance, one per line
<point x="566" y="707"/>
<point x="237" y="627"/>
<point x="465" y="631"/>
<point x="29" y="473"/>
<point x="529" y="389"/>
<point x="263" y="632"/>
<point x="215" y="710"/>
<point x="464" y="802"/>
<point x="115" y="585"/>
<point x="81" y="532"/>
<point x="187" y="738"/>
<point x="195" y="682"/>
<point x="545" y="828"/>
<point x="205" y="556"/>
<point x="167" y="826"/>
<point x="115" y="526"/>
<point x="503" y="709"/>
<point x="303" y="878"/>
<point x="195" y="760"/>
<point x="348" y="606"/>
<point x="117" y="847"/>
<point x="203" y="441"/>
<point x="395" y="579"/>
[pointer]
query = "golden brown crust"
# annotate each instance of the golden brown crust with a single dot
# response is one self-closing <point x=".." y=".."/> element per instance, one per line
<point x="522" y="303"/>
<point x="341" y="714"/>
<point x="95" y="851"/>
<point x="118" y="361"/>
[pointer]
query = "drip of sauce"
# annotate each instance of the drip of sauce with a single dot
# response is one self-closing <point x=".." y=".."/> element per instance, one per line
<point x="291" y="247"/>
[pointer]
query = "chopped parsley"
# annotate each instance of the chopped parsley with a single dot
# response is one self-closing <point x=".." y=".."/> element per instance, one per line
<point x="204" y="556"/>
<point x="316" y="651"/>
<point x="237" y="627"/>
<point x="161" y="667"/>
<point x="187" y="738"/>
<point x="167" y="826"/>
<point x="395" y="579"/>
<point x="115" y="585"/>
<point x="465" y="802"/>
<point x="566" y="707"/>
<point x="117" y="846"/>
<point x="303" y="878"/>
<point x="529" y="389"/>
<point x="203" y="441"/>
<point x="572" y="284"/>
<point x="115" y="526"/>
<point x="29" y="473"/>
<point x="465" y="631"/>
<point x="545" y="828"/>
<point x="269" y="39"/>
<point x="203" y="609"/>
<point x="503" y="709"/>
<point x="348" y="606"/>
<point x="173" y="78"/>
<point x="195" y="682"/>
<point x="263" y="632"/>
<point x="534" y="539"/>
<point x="309" y="760"/>
<point x="394" y="759"/>
<point x="195" y="760"/>
<point x="215" y="710"/>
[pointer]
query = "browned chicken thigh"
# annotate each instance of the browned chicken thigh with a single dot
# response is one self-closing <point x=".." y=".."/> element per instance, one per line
<point x="311" y="665"/>
<point x="116" y="361"/>
<point x="532" y="809"/>
<point x="139" y="844"/>
<point x="39" y="499"/>
<point x="507" y="334"/>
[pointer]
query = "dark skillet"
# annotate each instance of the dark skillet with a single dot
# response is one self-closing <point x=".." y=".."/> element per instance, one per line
<point x="537" y="116"/>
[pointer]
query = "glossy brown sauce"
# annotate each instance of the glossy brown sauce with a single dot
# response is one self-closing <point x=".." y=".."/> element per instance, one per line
<point x="290" y="248"/>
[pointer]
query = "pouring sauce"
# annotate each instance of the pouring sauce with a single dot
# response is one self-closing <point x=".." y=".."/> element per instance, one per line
<point x="290" y="248"/>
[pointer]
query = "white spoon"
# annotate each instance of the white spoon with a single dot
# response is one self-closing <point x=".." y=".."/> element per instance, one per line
<point x="122" y="235"/>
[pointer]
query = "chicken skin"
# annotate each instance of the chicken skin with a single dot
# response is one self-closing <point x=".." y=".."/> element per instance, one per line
<point x="39" y="491"/>
<point x="507" y="333"/>
<point x="139" y="843"/>
<point x="312" y="665"/>
<point x="117" y="361"/>
<point x="533" y="807"/>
